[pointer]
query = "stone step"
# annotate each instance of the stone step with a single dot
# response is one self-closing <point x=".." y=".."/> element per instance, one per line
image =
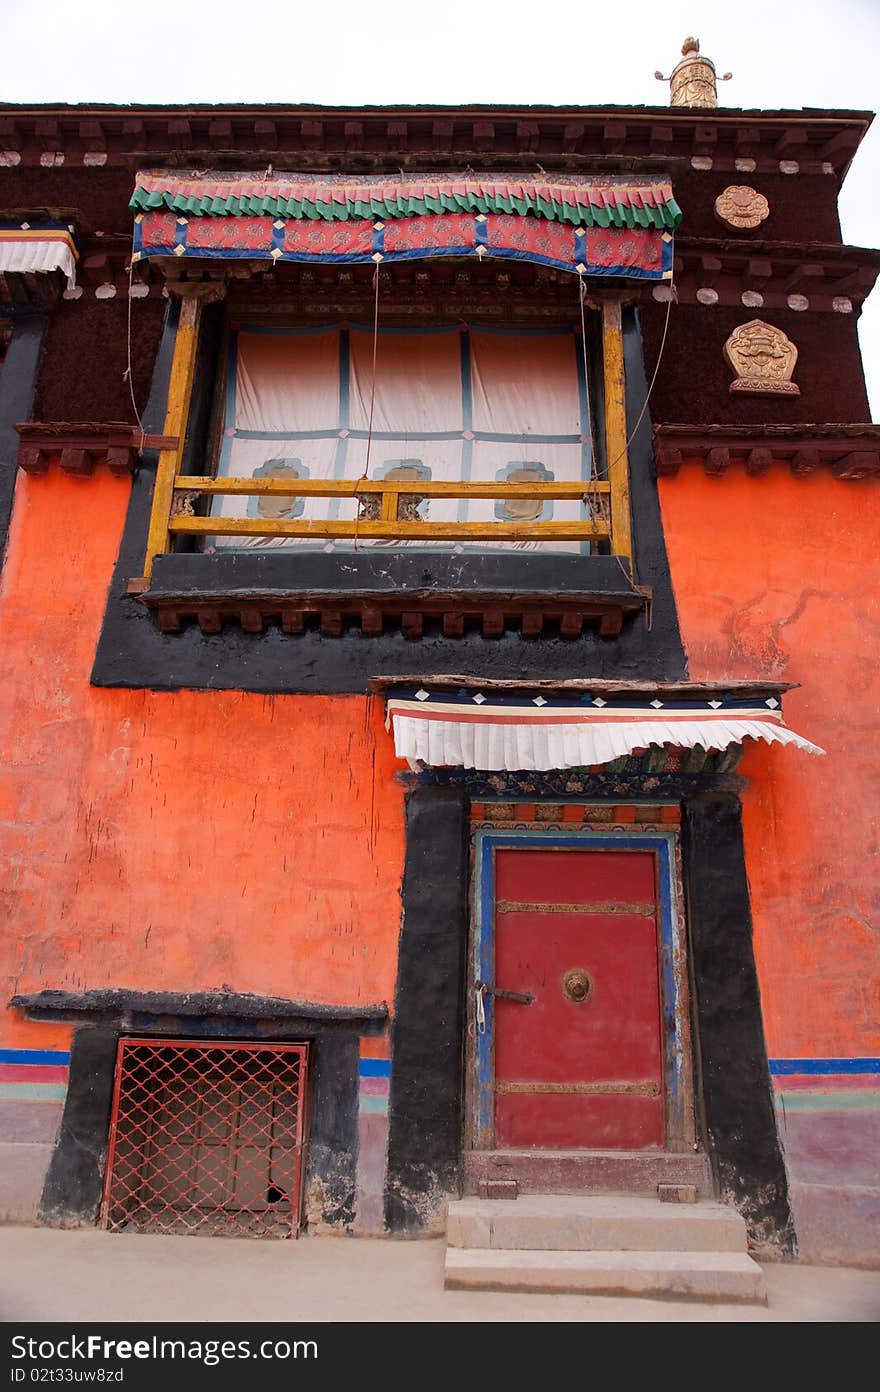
<point x="593" y="1222"/>
<point x="717" y="1276"/>
<point x="588" y="1171"/>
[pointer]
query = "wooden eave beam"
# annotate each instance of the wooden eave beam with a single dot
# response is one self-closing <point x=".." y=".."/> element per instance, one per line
<point x="79" y="447"/>
<point x="333" y="611"/>
<point x="850" y="451"/>
<point x="306" y="132"/>
<point x="819" y="270"/>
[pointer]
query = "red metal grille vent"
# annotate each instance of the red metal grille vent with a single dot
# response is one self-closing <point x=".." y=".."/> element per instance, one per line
<point x="206" y="1138"/>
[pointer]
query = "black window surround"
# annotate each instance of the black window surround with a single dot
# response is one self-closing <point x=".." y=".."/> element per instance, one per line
<point x="540" y="612"/>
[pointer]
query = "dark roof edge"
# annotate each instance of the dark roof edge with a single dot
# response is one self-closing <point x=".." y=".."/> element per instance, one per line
<point x="675" y="114"/>
<point x="574" y="684"/>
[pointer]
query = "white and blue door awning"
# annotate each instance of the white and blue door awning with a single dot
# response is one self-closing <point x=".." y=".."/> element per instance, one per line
<point x="450" y="723"/>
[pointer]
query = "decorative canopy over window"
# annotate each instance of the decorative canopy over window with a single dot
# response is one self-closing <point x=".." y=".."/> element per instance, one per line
<point x="588" y="225"/>
<point x="28" y="248"/>
<point x="476" y="728"/>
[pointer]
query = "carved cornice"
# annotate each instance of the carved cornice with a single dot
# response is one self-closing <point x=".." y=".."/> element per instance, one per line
<point x="413" y="613"/>
<point x="31" y="292"/>
<point x="849" y="451"/>
<point x="772" y="275"/>
<point x="817" y="276"/>
<point x="365" y="138"/>
<point x="77" y="448"/>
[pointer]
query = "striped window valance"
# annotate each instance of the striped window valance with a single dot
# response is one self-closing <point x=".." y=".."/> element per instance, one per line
<point x="610" y="226"/>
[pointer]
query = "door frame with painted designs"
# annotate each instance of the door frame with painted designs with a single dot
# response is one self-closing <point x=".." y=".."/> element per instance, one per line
<point x="678" y="1080"/>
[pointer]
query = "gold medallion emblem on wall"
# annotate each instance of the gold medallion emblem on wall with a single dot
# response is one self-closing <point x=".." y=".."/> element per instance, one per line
<point x="762" y="359"/>
<point x="741" y="208"/>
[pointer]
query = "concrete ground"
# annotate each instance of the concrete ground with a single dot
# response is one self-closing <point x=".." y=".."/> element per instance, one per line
<point x="47" y="1275"/>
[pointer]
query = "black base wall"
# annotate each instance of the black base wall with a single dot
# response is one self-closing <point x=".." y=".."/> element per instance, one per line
<point x="18" y="380"/>
<point x="424" y="1151"/>
<point x="75" y="1178"/>
<point x="425" y="1107"/>
<point x="739" y="1111"/>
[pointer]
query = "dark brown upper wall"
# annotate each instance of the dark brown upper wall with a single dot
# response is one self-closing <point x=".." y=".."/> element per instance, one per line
<point x="82" y="375"/>
<point x="101" y="195"/>
<point x="803" y="207"/>
<point x="693" y="386"/>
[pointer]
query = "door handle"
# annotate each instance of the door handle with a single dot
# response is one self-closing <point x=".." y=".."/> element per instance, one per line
<point x="521" y="997"/>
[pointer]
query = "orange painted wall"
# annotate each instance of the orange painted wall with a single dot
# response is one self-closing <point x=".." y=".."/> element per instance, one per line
<point x="175" y="841"/>
<point x="780" y="577"/>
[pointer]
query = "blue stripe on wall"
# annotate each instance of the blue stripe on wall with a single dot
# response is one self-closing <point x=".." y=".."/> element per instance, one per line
<point x="778" y="1067"/>
<point x="58" y="1057"/>
<point x="375" y="1068"/>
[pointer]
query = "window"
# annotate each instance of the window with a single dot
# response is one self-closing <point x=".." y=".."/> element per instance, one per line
<point x="451" y="405"/>
<point x="206" y="1138"/>
<point x="430" y="429"/>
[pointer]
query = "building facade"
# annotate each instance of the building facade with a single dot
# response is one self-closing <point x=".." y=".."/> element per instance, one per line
<point x="416" y="520"/>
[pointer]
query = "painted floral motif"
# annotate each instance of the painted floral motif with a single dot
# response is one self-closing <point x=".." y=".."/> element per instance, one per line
<point x="638" y="250"/>
<point x="422" y="233"/>
<point x="239" y="234"/>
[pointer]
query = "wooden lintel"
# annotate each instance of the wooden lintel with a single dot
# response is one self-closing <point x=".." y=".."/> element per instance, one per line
<point x="758" y="271"/>
<point x="331" y="623"/>
<point x="33" y="460"/>
<point x="717" y="461"/>
<point x="411" y="623"/>
<point x="610" y="624"/>
<point x="493" y="623"/>
<point x="120" y="460"/>
<point x="376" y="613"/>
<point x="710" y="269"/>
<point x="805" y="461"/>
<point x="210" y="620"/>
<point x="75" y="460"/>
<point x="668" y="458"/>
<point x="251" y="618"/>
<point x="792" y="138"/>
<point x="758" y="461"/>
<point x="807" y="271"/>
<point x="371" y="619"/>
<point x="80" y="447"/>
<point x="849" y="451"/>
<point x="685" y="690"/>
<point x="293" y="620"/>
<point x="858" y="464"/>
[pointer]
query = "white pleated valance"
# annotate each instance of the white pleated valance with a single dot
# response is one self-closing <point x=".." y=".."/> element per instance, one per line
<point x="26" y="248"/>
<point x="480" y="730"/>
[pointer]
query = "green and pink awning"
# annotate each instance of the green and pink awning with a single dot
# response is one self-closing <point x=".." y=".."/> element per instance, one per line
<point x="588" y="225"/>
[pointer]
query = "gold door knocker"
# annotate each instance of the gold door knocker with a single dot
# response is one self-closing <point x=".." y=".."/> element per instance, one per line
<point x="576" y="984"/>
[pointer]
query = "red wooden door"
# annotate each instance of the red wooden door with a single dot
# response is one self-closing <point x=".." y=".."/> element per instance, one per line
<point x="575" y="1070"/>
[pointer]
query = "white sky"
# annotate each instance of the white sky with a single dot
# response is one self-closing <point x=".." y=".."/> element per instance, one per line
<point x="783" y="53"/>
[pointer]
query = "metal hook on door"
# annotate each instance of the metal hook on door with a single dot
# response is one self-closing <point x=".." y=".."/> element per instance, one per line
<point x="521" y="997"/>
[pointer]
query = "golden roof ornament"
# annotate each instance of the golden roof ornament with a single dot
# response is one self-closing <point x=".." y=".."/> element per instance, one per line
<point x="693" y="81"/>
